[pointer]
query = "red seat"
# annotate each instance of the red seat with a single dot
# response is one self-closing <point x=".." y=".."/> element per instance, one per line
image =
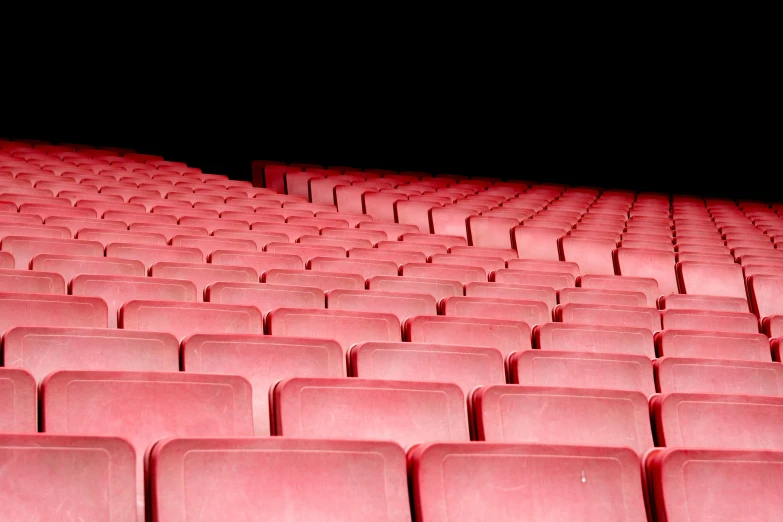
<point x="17" y="309"/>
<point x="25" y="281"/>
<point x="46" y="211"/>
<point x="24" y="248"/>
<point x="105" y="237"/>
<point x="428" y="249"/>
<point x="437" y="239"/>
<point x="58" y="477"/>
<point x="6" y="260"/>
<point x="710" y="320"/>
<point x="648" y="264"/>
<point x="411" y="213"/>
<point x="718" y="421"/>
<point x="646" y="285"/>
<point x="582" y="369"/>
<point x="594" y="256"/>
<point x="393" y="231"/>
<point x="203" y="275"/>
<point x="702" y="302"/>
<point x="438" y="288"/>
<point x="467" y="366"/>
<point x="506" y="336"/>
<point x="324" y="281"/>
<point x="713" y="345"/>
<point x="345" y="327"/>
<point x="729" y="485"/>
<point x="265" y="297"/>
<point x="607" y="315"/>
<point x="405" y="412"/>
<point x="131" y="218"/>
<point x="42" y="350"/>
<point x="30" y="230"/>
<point x="306" y="252"/>
<point x="258" y="261"/>
<point x="461" y="273"/>
<point x="489" y="264"/>
<point x="531" y="312"/>
<point x="451" y="221"/>
<point x="545" y="415"/>
<point x="556" y="280"/>
<point x="773" y="326"/>
<point x="155" y="405"/>
<point x="293" y="232"/>
<point x="76" y="224"/>
<point x="483" y="481"/>
<point x="542" y="265"/>
<point x="533" y="242"/>
<point x="544" y="294"/>
<point x="690" y="375"/>
<point x="151" y="254"/>
<point x="71" y="266"/>
<point x="491" y="232"/>
<point x="765" y="293"/>
<point x="182" y="318"/>
<point x="364" y="267"/>
<point x="247" y="488"/>
<point x="209" y="244"/>
<point x="262" y="360"/>
<point x="723" y="280"/>
<point x="19" y="406"/>
<point x="601" y="297"/>
<point x="399" y="257"/>
<point x="400" y="304"/>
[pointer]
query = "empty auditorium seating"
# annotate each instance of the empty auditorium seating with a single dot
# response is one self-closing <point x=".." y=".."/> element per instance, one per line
<point x="602" y="297"/>
<point x="437" y="239"/>
<point x="364" y="267"/>
<point x="406" y="412"/>
<point x="724" y="280"/>
<point x="608" y="315"/>
<point x="648" y="264"/>
<point x="51" y="310"/>
<point x="61" y="477"/>
<point x="428" y="249"/>
<point x="202" y="275"/>
<point x="718" y="421"/>
<point x="400" y="304"/>
<point x="691" y="375"/>
<point x="765" y="293"/>
<point x="151" y="254"/>
<point x="547" y="415"/>
<point x="556" y="280"/>
<point x="582" y="370"/>
<point x="344" y="326"/>
<point x="325" y="281"/>
<point x="623" y="283"/>
<point x="183" y="318"/>
<point x="24" y="248"/>
<point x="438" y="288"/>
<point x="155" y="405"/>
<point x="25" y="281"/>
<point x="489" y="264"/>
<point x="504" y="335"/>
<point x="262" y="360"/>
<point x="703" y="302"/>
<point x="501" y="482"/>
<point x="336" y="472"/>
<point x="491" y="232"/>
<point x="594" y="256"/>
<point x="531" y="312"/>
<point x="544" y="294"/>
<point x="19" y="403"/>
<point x="464" y="274"/>
<point x="710" y="320"/>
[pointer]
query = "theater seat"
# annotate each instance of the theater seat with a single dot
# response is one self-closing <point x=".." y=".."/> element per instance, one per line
<point x="484" y="482"/>
<point x="556" y="280"/>
<point x="710" y="485"/>
<point x="405" y="412"/>
<point x="461" y="273"/>
<point x="582" y="370"/>
<point x="594" y="256"/>
<point x="202" y="275"/>
<point x="18" y="397"/>
<point x="262" y="479"/>
<point x="531" y="312"/>
<point x="710" y="320"/>
<point x="151" y="254"/>
<point x="400" y="304"/>
<point x="702" y="302"/>
<point x="25" y="281"/>
<point x="607" y="315"/>
<point x="594" y="339"/>
<point x="262" y="360"/>
<point x="545" y="415"/>
<point x="324" y="281"/>
<point x="51" y="310"/>
<point x="437" y="288"/>
<point x="24" y="248"/>
<point x="364" y="267"/>
<point x="690" y="375"/>
<point x="62" y="477"/>
<point x="265" y="297"/>
<point x="718" y="421"/>
<point x="646" y="285"/>
<point x="601" y="297"/>
<point x="71" y="266"/>
<point x="155" y="405"/>
<point x="467" y="366"/>
<point x="345" y="327"/>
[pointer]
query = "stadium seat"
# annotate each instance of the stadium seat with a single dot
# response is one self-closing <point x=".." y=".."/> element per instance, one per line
<point x="765" y="294"/>
<point x="607" y="315"/>
<point x="713" y="345"/>
<point x="6" y="260"/>
<point x="42" y="350"/>
<point x="203" y="275"/>
<point x="76" y="224"/>
<point x="344" y="242"/>
<point x="262" y="360"/>
<point x="729" y="485"/>
<point x="601" y="297"/>
<point x="400" y="304"/>
<point x="489" y="264"/>
<point x="169" y="231"/>
<point x="710" y="320"/>
<point x="261" y="239"/>
<point x="504" y="335"/>
<point x="293" y="232"/>
<point x="691" y="375"/>
<point x="467" y="366"/>
<point x="646" y="285"/>
<point x="702" y="302"/>
<point x="504" y="253"/>
<point x="718" y="421"/>
<point x="60" y="477"/>
<point x="437" y="288"/>
<point x="265" y="297"/>
<point x="105" y="237"/>
<point x="30" y="230"/>
<point x="324" y="281"/>
<point x="258" y="261"/>
<point x="773" y="326"/>
<point x="483" y="482"/>
<point x="364" y="267"/>
<point x="344" y="326"/>
<point x="24" y="248"/>
<point x="556" y="280"/>
<point x="546" y="415"/>
<point x="209" y="244"/>
<point x="491" y="232"/>
<point x="262" y="478"/>
<point x="428" y="249"/>
<point x="405" y="412"/>
<point x="542" y="265"/>
<point x="393" y="231"/>
<point x="531" y="312"/>
<point x="722" y="280"/>
<point x="25" y="281"/>
<point x="450" y="221"/>
<point x="183" y="318"/>
<point x="381" y="206"/>
<point x="399" y="257"/>
<point x="594" y="256"/>
<point x="17" y="309"/>
<point x="373" y="236"/>
<point x="648" y="264"/>
<point x="151" y="254"/>
<point x="543" y="294"/>
<point x="437" y="239"/>
<point x="155" y="405"/>
<point x="47" y="211"/>
<point x="462" y="273"/>
<point x="582" y="369"/>
<point x="71" y="266"/>
<point x="19" y="401"/>
<point x="131" y="218"/>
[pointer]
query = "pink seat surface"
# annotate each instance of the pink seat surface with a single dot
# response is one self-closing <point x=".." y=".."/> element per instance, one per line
<point x="692" y="375"/>
<point x="469" y="481"/>
<point x="18" y="402"/>
<point x="595" y="339"/>
<point x="262" y="478"/>
<point x="713" y="345"/>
